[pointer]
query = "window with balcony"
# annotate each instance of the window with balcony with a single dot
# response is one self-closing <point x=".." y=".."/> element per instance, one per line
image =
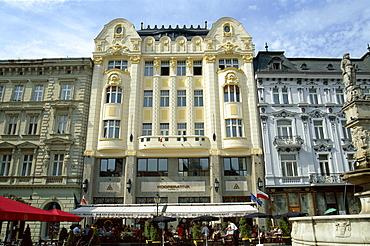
<point x="165" y="99"/>
<point x="62" y="124"/>
<point x="5" y="164"/>
<point x="111" y="167"/>
<point x="113" y="94"/>
<point x="57" y="166"/>
<point x="66" y="92"/>
<point x="111" y="129"/>
<point x="235" y="166"/>
<point x="234" y="128"/>
<point x="164" y="130"/>
<point x="121" y="65"/>
<point x="147" y="129"/>
<point x="346" y="131"/>
<point x="198" y="98"/>
<point x="38" y="93"/>
<point x="197" y="68"/>
<point x="289" y="165"/>
<point x="32" y="125"/>
<point x="152" y="167"/>
<point x="340" y="96"/>
<point x="231" y="93"/>
<point x="26" y="165"/>
<point x="13" y="125"/>
<point x="199" y="130"/>
<point x="149" y="68"/>
<point x="18" y="93"/>
<point x="181" y="98"/>
<point x="193" y="167"/>
<point x="313" y="96"/>
<point x="165" y="68"/>
<point x="181" y="68"/>
<point x="324" y="165"/>
<point x="148" y="99"/>
<point x="284" y="128"/>
<point x="181" y="131"/>
<point x="224" y="63"/>
<point x="319" y="129"/>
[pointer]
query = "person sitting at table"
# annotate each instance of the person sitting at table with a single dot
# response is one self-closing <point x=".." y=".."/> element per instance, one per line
<point x="169" y="236"/>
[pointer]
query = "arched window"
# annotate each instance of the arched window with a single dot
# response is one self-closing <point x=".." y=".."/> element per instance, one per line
<point x="231" y="93"/>
<point x="114" y="94"/>
<point x="284" y="129"/>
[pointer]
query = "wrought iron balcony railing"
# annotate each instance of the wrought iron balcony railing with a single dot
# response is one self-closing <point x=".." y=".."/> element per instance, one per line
<point x="294" y="141"/>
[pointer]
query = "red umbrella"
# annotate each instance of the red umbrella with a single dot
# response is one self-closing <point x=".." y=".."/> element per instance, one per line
<point x="13" y="210"/>
<point x="64" y="216"/>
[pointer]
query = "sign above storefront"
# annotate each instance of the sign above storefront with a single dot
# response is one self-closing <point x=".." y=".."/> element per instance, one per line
<point x="192" y="186"/>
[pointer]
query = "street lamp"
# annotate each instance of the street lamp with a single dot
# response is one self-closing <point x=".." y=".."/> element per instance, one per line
<point x="157" y="200"/>
<point x="217" y="185"/>
<point x="128" y="185"/>
<point x="260" y="183"/>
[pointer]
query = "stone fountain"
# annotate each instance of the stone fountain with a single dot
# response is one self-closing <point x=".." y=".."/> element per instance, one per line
<point x="345" y="229"/>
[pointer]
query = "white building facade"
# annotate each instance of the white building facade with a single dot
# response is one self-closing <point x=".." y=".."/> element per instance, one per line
<point x="306" y="145"/>
<point x="173" y="113"/>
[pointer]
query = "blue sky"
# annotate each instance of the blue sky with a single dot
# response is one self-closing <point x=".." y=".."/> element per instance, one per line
<point x="36" y="29"/>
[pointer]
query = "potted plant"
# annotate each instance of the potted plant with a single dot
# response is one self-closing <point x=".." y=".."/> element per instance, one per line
<point x="154" y="237"/>
<point x="245" y="233"/>
<point x="196" y="233"/>
<point x="285" y="227"/>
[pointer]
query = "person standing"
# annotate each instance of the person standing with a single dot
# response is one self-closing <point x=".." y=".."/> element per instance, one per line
<point x="205" y="231"/>
<point x="233" y="230"/>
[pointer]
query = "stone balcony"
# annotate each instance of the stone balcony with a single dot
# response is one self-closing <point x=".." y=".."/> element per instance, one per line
<point x="173" y="142"/>
<point x="291" y="142"/>
<point x="333" y="178"/>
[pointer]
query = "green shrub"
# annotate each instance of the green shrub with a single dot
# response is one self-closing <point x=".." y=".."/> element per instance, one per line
<point x="244" y="228"/>
<point x="196" y="232"/>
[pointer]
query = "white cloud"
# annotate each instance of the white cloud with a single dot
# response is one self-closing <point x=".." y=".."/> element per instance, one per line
<point x="252" y="7"/>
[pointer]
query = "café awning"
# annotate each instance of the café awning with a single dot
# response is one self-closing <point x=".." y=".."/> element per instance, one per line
<point x="183" y="210"/>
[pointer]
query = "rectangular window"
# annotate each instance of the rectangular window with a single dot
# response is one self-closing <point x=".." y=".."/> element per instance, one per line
<point x="12" y="126"/>
<point x="285" y="95"/>
<point x="181" y="98"/>
<point x="235" y="166"/>
<point x="231" y="93"/>
<point x="1" y="92"/>
<point x="32" y="125"/>
<point x="165" y="99"/>
<point x="197" y="68"/>
<point x="62" y="124"/>
<point x="57" y="167"/>
<point x="111" y="167"/>
<point x="224" y="63"/>
<point x="351" y="162"/>
<point x="18" y="93"/>
<point x="37" y="94"/>
<point x="181" y="68"/>
<point x="234" y="128"/>
<point x="346" y="131"/>
<point x="193" y="167"/>
<point x="199" y="130"/>
<point x="340" y="96"/>
<point x="198" y="98"/>
<point x="66" y="92"/>
<point x="164" y="127"/>
<point x="152" y="167"/>
<point x="324" y="165"/>
<point x="181" y="131"/>
<point x="149" y="68"/>
<point x="204" y="199"/>
<point x="148" y="98"/>
<point x="26" y="165"/>
<point x="147" y="129"/>
<point x="114" y="94"/>
<point x="289" y="165"/>
<point x="284" y="128"/>
<point x="313" y="96"/>
<point x="5" y="165"/>
<point x="121" y="65"/>
<point x="111" y="129"/>
<point x="165" y="68"/>
<point x="319" y="129"/>
<point x="275" y="92"/>
<point x="146" y="200"/>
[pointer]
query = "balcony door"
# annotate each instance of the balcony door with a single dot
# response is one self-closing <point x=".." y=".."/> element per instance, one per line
<point x="284" y="129"/>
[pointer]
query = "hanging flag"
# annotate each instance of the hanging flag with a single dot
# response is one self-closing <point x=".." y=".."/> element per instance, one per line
<point x="83" y="201"/>
<point x="263" y="195"/>
<point x="259" y="201"/>
<point x="76" y="201"/>
<point x="253" y="197"/>
<point x="160" y="139"/>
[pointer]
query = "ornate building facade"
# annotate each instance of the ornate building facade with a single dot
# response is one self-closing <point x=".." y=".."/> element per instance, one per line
<point x="174" y="114"/>
<point x="44" y="105"/>
<point x="305" y="141"/>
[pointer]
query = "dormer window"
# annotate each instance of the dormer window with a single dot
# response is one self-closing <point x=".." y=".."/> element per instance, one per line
<point x="330" y="67"/>
<point x="275" y="63"/>
<point x="276" y="66"/>
<point x="304" y="66"/>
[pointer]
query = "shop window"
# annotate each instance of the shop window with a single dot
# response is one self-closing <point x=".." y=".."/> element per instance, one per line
<point x="194" y="199"/>
<point x="152" y="167"/>
<point x="111" y="167"/>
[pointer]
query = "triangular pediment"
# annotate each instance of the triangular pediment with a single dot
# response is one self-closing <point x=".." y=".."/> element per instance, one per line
<point x="56" y="141"/>
<point x="6" y="145"/>
<point x="27" y="145"/>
